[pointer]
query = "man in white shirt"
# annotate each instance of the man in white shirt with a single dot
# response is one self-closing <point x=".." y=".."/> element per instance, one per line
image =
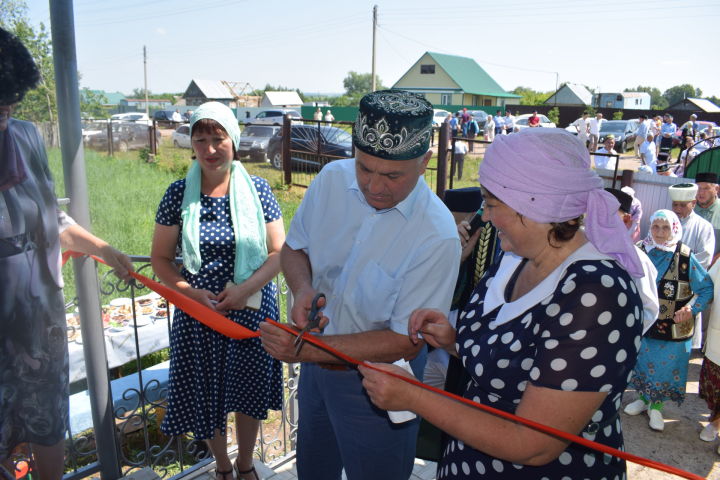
<point x="608" y="148"/>
<point x="648" y="152"/>
<point x="509" y="122"/>
<point x="641" y="133"/>
<point x="176" y="117"/>
<point x="698" y="233"/>
<point x="582" y="125"/>
<point x="594" y="128"/>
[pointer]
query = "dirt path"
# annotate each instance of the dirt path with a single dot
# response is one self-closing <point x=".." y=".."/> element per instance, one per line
<point x="678" y="445"/>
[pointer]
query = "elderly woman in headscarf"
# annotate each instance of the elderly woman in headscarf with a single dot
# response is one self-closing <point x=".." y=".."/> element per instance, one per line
<point x="550" y="333"/>
<point x="684" y="290"/>
<point x="34" y="385"/>
<point x="230" y="230"/>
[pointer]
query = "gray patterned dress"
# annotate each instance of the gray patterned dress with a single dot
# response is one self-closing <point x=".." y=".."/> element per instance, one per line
<point x="33" y="346"/>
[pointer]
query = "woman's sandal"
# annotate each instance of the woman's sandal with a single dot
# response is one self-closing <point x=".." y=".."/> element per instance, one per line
<point x="223" y="474"/>
<point x="245" y="472"/>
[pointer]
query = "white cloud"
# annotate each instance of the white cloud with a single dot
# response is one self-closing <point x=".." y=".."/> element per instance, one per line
<point x="160" y="31"/>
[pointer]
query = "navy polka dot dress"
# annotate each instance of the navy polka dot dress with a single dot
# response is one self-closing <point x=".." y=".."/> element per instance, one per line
<point x="584" y="336"/>
<point x="212" y="375"/>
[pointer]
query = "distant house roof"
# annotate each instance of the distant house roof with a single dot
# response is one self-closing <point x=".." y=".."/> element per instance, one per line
<point x="571" y="94"/>
<point x="468" y="75"/>
<point x="214" y="89"/>
<point x="695" y="104"/>
<point x="113" y="98"/>
<point x="635" y="94"/>
<point x="279" y="99"/>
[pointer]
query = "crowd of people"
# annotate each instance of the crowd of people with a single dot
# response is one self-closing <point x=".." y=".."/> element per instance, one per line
<point x="566" y="309"/>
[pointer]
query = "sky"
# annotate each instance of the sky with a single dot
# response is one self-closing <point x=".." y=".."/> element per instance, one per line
<point x="608" y="45"/>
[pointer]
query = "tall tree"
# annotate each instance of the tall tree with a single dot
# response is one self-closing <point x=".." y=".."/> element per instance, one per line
<point x="680" y="92"/>
<point x="657" y="101"/>
<point x="358" y="84"/>
<point x="91" y="103"/>
<point x="39" y="104"/>
<point x="530" y="96"/>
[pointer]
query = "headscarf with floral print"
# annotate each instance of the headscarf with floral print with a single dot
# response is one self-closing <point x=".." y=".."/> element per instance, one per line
<point x="675" y="231"/>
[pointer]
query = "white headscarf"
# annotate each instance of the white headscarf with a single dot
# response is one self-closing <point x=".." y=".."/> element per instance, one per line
<point x="675" y="231"/>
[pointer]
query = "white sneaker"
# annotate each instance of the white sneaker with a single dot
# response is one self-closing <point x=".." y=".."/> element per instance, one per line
<point x="656" y="420"/>
<point x="709" y="433"/>
<point x="636" y="407"/>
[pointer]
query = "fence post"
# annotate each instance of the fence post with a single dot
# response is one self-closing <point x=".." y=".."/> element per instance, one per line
<point x="287" y="162"/>
<point x="110" y="138"/>
<point x="442" y="158"/>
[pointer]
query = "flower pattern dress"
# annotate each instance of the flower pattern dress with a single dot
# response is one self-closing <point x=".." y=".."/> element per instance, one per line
<point x="212" y="375"/>
<point x="581" y="336"/>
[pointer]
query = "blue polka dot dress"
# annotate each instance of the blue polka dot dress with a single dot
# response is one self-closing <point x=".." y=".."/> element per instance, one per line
<point x="583" y="336"/>
<point x="212" y="375"/>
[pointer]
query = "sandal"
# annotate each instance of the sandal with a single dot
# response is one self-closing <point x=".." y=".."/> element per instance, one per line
<point x="223" y="474"/>
<point x="245" y="472"/>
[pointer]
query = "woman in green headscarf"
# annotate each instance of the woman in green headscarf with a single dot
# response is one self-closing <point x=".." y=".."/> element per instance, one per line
<point x="229" y="228"/>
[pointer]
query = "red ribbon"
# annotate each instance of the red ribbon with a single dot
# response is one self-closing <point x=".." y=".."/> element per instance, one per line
<point x="227" y="327"/>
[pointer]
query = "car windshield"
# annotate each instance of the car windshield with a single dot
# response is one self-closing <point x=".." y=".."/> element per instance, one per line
<point x="336" y="135"/>
<point x="612" y="127"/>
<point x="258" y="132"/>
<point x="544" y="119"/>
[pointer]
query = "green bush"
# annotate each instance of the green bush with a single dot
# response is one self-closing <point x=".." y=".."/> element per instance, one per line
<point x="554" y="115"/>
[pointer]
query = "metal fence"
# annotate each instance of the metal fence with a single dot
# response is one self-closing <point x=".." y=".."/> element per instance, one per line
<point x="139" y="394"/>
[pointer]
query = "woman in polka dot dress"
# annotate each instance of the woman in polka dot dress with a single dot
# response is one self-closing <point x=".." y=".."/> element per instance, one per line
<point x="229" y="228"/>
<point x="661" y="371"/>
<point x="551" y="332"/>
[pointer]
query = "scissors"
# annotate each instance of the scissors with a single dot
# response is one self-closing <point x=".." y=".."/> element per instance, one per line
<point x="312" y="323"/>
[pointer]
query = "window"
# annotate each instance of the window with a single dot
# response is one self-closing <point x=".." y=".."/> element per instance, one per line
<point x="487" y="103"/>
<point x="446" y="99"/>
<point x="427" y="69"/>
<point x="619" y="98"/>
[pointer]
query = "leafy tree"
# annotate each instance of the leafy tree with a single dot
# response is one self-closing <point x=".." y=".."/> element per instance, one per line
<point x="554" y="115"/>
<point x="679" y="92"/>
<point x="714" y="99"/>
<point x="657" y="101"/>
<point x="39" y="104"/>
<point x="530" y="96"/>
<point x="358" y="84"/>
<point x="618" y="115"/>
<point x="91" y="103"/>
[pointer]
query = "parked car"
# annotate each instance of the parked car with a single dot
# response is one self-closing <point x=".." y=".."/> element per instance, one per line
<point x="439" y="116"/>
<point x="480" y="117"/>
<point x="181" y="136"/>
<point x="274" y="117"/>
<point x="163" y="118"/>
<point x="92" y="127"/>
<point x="126" y="136"/>
<point x="133" y="117"/>
<point x="521" y="121"/>
<point x="305" y="143"/>
<point x="703" y="125"/>
<point x="254" y="141"/>
<point x="624" y="131"/>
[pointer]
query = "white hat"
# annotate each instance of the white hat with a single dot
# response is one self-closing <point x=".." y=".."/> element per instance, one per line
<point x="683" y="192"/>
<point x="629" y="190"/>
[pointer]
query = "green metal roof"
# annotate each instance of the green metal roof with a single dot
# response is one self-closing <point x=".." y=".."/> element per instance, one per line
<point x="470" y="76"/>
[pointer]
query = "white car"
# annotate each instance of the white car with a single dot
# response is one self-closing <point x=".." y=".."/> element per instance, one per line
<point x="132" y="117"/>
<point x="275" y="117"/>
<point x="181" y="136"/>
<point x="439" y="116"/>
<point x="521" y="121"/>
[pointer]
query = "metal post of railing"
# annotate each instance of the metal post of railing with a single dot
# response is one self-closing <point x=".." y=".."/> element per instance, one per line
<point x="442" y="158"/>
<point x="287" y="162"/>
<point x="293" y="409"/>
<point x="68" y="102"/>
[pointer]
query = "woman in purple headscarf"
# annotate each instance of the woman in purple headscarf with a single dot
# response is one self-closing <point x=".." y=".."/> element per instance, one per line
<point x="33" y="345"/>
<point x="552" y="331"/>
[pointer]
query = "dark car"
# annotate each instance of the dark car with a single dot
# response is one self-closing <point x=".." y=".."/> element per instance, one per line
<point x="163" y="118"/>
<point x="624" y="132"/>
<point x="480" y="117"/>
<point x="126" y="136"/>
<point x="254" y="141"/>
<point x="307" y="141"/>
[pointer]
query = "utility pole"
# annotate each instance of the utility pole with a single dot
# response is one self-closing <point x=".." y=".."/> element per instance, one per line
<point x="147" y="100"/>
<point x="557" y="77"/>
<point x="373" y="46"/>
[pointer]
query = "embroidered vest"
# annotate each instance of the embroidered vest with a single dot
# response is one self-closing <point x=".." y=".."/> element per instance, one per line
<point x="674" y="292"/>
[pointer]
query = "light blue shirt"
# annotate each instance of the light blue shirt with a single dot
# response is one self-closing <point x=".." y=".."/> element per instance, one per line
<point x="375" y="266"/>
<point x="643" y="129"/>
<point x="668" y="128"/>
<point x="499" y="121"/>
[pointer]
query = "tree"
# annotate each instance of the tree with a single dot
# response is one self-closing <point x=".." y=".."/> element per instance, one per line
<point x="554" y="115"/>
<point x="680" y="92"/>
<point x="40" y="103"/>
<point x="91" y="103"/>
<point x="657" y="101"/>
<point x="358" y="84"/>
<point x="530" y="96"/>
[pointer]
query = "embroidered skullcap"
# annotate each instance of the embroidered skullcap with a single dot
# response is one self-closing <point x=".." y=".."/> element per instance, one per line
<point x="662" y="167"/>
<point x="622" y="197"/>
<point x="708" y="177"/>
<point x="463" y="199"/>
<point x="221" y="114"/>
<point x="683" y="192"/>
<point x="394" y="125"/>
<point x="18" y="72"/>
<point x="545" y="175"/>
<point x="629" y="190"/>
